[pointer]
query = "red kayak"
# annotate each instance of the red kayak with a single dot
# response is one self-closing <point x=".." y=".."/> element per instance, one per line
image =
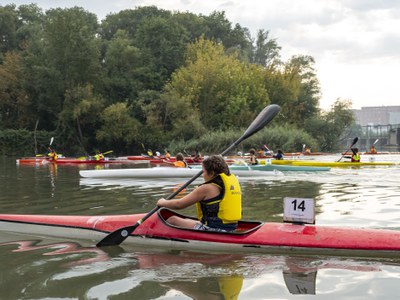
<point x="32" y="160"/>
<point x="251" y="236"/>
<point x="162" y="159"/>
<point x="69" y="160"/>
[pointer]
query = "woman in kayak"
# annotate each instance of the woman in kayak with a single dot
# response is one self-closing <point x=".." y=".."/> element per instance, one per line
<point x="218" y="200"/>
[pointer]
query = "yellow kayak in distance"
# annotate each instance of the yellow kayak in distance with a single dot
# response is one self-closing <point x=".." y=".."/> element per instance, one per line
<point x="333" y="164"/>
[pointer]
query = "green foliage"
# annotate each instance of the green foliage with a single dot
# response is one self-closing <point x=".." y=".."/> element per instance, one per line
<point x="14" y="101"/>
<point x="287" y="138"/>
<point x="22" y="142"/>
<point x="216" y="89"/>
<point x="148" y="75"/>
<point x="266" y="51"/>
<point x="331" y="126"/>
<point x="118" y="127"/>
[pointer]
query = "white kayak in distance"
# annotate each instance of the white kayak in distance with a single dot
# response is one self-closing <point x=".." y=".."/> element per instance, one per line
<point x="166" y="172"/>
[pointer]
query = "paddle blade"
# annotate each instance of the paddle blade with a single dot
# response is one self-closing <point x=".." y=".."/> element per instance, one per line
<point x="354" y="141"/>
<point x="116" y="237"/>
<point x="263" y="118"/>
<point x="51" y="140"/>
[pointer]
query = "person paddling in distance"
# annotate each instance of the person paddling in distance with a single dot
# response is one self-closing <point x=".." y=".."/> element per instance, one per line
<point x="167" y="154"/>
<point x="52" y="154"/>
<point x="180" y="161"/>
<point x="218" y="200"/>
<point x="253" y="158"/>
<point x="355" y="157"/>
<point x="278" y="155"/>
<point x="99" y="156"/>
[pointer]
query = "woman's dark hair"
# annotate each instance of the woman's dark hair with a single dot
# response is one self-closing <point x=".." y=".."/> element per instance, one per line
<point x="179" y="156"/>
<point x="252" y="151"/>
<point x="216" y="164"/>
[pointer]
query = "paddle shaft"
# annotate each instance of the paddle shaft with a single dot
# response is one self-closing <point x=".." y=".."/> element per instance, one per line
<point x="354" y="142"/>
<point x="264" y="117"/>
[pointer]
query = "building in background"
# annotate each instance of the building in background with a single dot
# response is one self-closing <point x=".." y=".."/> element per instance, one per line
<point x="377" y="115"/>
<point x="380" y="127"/>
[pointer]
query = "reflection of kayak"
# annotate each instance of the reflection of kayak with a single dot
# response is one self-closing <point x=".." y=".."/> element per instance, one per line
<point x="340" y="164"/>
<point x="164" y="172"/>
<point x="251" y="236"/>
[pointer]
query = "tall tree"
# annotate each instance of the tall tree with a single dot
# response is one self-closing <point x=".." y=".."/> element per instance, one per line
<point x="14" y="102"/>
<point x="8" y="28"/>
<point x="121" y="66"/>
<point x="216" y="89"/>
<point x="162" y="43"/>
<point x="266" y="50"/>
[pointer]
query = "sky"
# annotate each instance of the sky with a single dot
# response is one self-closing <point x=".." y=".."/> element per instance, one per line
<point x="355" y="43"/>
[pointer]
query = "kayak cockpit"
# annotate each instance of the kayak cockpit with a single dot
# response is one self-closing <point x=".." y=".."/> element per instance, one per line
<point x="244" y="227"/>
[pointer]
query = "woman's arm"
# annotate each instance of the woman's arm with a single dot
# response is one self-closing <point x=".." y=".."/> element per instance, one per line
<point x="202" y="192"/>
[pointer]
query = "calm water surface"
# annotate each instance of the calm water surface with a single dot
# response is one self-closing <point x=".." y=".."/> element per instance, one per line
<point x="37" y="267"/>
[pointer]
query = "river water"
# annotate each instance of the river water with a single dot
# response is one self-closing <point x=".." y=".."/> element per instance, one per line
<point x="39" y="267"/>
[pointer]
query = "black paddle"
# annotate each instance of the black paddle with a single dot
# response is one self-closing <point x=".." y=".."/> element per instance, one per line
<point x="354" y="142"/>
<point x="264" y="117"/>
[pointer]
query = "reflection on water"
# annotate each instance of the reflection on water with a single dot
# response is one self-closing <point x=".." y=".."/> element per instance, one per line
<point x="138" y="273"/>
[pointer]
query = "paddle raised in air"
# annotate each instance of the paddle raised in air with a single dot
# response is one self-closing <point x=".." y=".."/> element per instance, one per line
<point x="352" y="144"/>
<point x="264" y="117"/>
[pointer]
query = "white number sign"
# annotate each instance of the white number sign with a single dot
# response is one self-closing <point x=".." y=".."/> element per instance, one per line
<point x="299" y="210"/>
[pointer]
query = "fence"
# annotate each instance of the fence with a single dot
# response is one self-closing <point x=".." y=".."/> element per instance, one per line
<point x="383" y="137"/>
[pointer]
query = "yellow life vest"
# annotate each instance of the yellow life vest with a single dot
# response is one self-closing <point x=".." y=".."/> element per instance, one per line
<point x="225" y="208"/>
<point x="53" y="155"/>
<point x="180" y="164"/>
<point x="99" y="156"/>
<point x="355" y="158"/>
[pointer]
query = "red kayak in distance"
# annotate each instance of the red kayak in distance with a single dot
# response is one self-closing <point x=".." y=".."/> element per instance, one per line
<point x="69" y="160"/>
<point x="250" y="237"/>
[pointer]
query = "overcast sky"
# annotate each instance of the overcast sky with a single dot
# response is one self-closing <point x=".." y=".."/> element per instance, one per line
<point x="356" y="43"/>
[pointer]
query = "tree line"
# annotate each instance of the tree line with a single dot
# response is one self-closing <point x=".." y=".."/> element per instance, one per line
<point x="153" y="77"/>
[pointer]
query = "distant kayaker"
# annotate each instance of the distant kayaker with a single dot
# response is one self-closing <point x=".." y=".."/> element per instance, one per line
<point x="196" y="155"/>
<point x="218" y="200"/>
<point x="253" y="158"/>
<point x="355" y="157"/>
<point x="180" y="161"/>
<point x="52" y="154"/>
<point x="99" y="156"/>
<point x="167" y="154"/>
<point x="278" y="155"/>
<point x="373" y="150"/>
